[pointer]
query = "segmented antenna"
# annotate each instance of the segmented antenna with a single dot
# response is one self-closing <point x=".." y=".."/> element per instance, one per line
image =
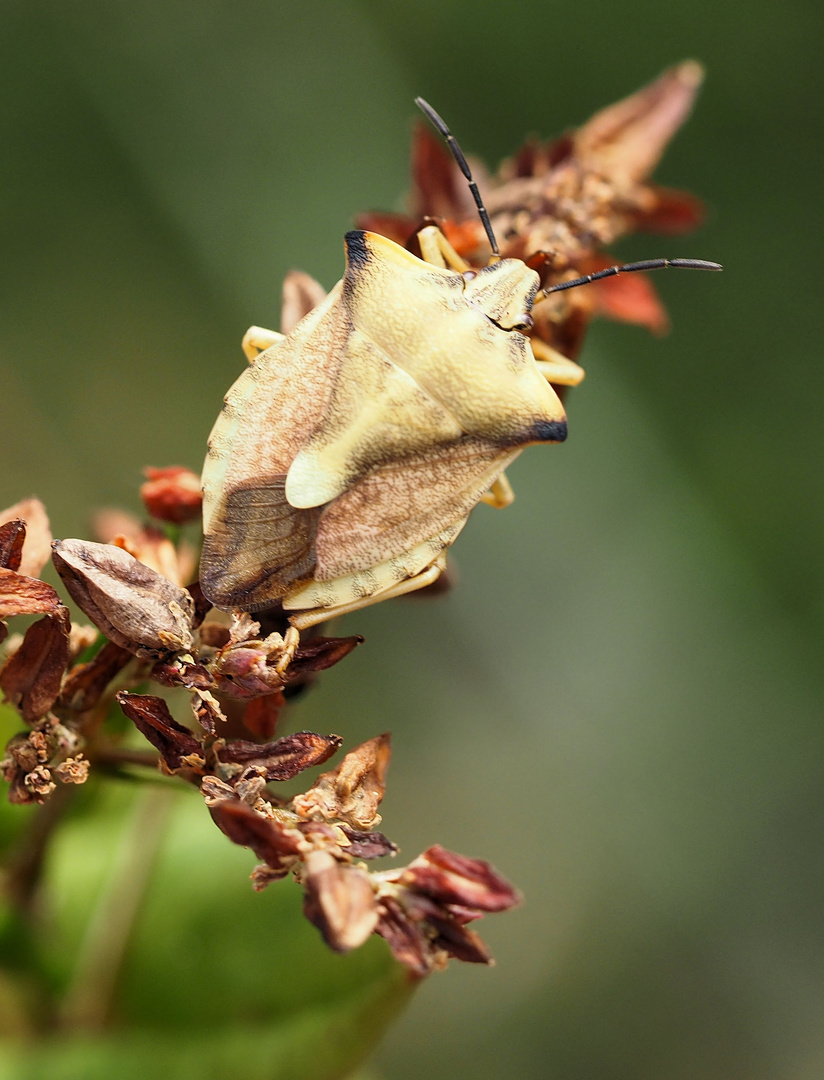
<point x="628" y="268"/>
<point x="457" y="153"/>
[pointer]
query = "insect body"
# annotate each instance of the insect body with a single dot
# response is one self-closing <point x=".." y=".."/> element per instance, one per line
<point x="350" y="453"/>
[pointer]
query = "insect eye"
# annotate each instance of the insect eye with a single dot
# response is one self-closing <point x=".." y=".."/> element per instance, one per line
<point x="523" y="322"/>
<point x="468" y="275"/>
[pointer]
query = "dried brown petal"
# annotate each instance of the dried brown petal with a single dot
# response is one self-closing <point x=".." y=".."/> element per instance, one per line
<point x="172" y="494"/>
<point x="276" y="844"/>
<point x="251" y="785"/>
<point x="182" y="673"/>
<point x="12" y="536"/>
<point x="285" y="757"/>
<point x="86" y="683"/>
<point x="31" y="678"/>
<point x="151" y="716"/>
<point x="214" y="790"/>
<point x="449" y="878"/>
<point x="301" y="294"/>
<point x="37" y="546"/>
<point x="339" y="900"/>
<point x="625" y="141"/>
<point x="352" y="792"/>
<point x="208" y="712"/>
<point x="133" y="605"/>
<point x="21" y="595"/>
<point x="459" y="942"/>
<point x="264" y="875"/>
<point x="319" y="654"/>
<point x="406" y="938"/>
<point x="368" y="845"/>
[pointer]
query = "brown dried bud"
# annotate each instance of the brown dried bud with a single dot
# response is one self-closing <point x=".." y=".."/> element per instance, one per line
<point x="40" y="783"/>
<point x="31" y="678"/>
<point x="449" y="878"/>
<point x="368" y="845"/>
<point x="133" y="605"/>
<point x="457" y="941"/>
<point x="410" y="945"/>
<point x="340" y="900"/>
<point x="284" y="758"/>
<point x="151" y="716"/>
<point x="37" y="535"/>
<point x="248" y="670"/>
<point x="172" y="494"/>
<point x="352" y="792"/>
<point x="249" y="667"/>
<point x="275" y="843"/>
<point x="29" y="751"/>
<point x="319" y="654"/>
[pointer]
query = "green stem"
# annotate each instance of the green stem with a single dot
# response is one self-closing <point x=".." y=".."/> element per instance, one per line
<point x="90" y="997"/>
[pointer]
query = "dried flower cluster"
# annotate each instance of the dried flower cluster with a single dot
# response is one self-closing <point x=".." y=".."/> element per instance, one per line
<point x="556" y="205"/>
<point x="553" y="205"/>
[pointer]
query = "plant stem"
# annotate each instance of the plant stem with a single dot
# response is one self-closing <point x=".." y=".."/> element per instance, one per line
<point x="25" y="865"/>
<point x="90" y="998"/>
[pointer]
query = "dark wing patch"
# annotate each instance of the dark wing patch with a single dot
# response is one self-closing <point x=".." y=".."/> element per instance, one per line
<point x="260" y="549"/>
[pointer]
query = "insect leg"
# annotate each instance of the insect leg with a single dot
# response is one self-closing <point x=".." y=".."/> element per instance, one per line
<point x="500" y="494"/>
<point x="302" y="620"/>
<point x="554" y="366"/>
<point x="291" y="640"/>
<point x="436" y="249"/>
<point x="257" y="340"/>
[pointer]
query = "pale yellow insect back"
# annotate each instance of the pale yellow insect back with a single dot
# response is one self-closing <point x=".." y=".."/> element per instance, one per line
<point x="351" y="451"/>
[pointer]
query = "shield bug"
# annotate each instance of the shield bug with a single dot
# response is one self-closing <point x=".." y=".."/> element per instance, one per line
<point x="351" y="451"/>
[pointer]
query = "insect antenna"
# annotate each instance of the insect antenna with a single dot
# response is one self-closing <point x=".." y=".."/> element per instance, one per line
<point x="458" y="155"/>
<point x="628" y="268"/>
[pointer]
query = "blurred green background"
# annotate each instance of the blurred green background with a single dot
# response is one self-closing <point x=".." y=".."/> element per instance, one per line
<point x="620" y="703"/>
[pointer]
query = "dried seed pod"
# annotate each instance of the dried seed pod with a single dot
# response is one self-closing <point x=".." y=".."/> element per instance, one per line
<point x="133" y="605"/>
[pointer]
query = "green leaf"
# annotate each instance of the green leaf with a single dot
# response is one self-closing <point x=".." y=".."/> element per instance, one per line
<point x="217" y="980"/>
